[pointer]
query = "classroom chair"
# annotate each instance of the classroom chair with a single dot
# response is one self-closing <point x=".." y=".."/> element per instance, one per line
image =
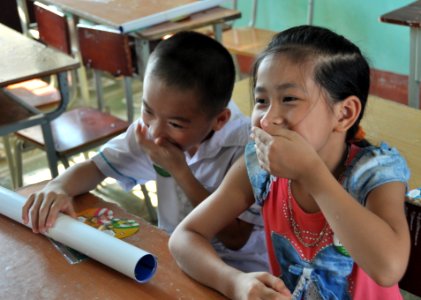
<point x="38" y="92"/>
<point x="81" y="129"/>
<point x="76" y="130"/>
<point x="246" y="42"/>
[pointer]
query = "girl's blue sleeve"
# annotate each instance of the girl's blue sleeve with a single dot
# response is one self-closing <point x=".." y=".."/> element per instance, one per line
<point x="260" y="179"/>
<point x="372" y="167"/>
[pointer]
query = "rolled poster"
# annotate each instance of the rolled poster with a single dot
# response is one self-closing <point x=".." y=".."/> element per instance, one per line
<point x="117" y="254"/>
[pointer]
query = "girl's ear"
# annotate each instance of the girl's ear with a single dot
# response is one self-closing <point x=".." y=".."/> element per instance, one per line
<point x="347" y="112"/>
<point x="221" y="119"/>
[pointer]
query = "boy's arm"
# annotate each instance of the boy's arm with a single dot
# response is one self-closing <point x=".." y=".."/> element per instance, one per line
<point x="190" y="246"/>
<point x="172" y="159"/>
<point x="57" y="196"/>
<point x="236" y="234"/>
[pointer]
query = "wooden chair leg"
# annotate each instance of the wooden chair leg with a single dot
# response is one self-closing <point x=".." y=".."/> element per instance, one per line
<point x="18" y="148"/>
<point x="148" y="203"/>
<point x="65" y="162"/>
<point x="129" y="98"/>
<point x="10" y="160"/>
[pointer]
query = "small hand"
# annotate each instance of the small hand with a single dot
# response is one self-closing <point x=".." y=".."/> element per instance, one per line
<point x="260" y="285"/>
<point x="284" y="153"/>
<point x="162" y="152"/>
<point x="44" y="208"/>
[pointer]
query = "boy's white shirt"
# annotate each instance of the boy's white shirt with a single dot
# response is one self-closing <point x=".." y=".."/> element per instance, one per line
<point x="122" y="158"/>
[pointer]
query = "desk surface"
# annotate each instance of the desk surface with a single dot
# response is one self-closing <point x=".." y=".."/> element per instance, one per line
<point x="116" y="13"/>
<point x="409" y="15"/>
<point x="22" y="58"/>
<point x="33" y="269"/>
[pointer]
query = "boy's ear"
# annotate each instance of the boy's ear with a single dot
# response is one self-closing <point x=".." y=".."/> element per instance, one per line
<point x="221" y="119"/>
<point x="347" y="112"/>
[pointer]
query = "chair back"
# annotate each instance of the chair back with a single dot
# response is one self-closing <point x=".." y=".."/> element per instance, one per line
<point x="52" y="27"/>
<point x="106" y="50"/>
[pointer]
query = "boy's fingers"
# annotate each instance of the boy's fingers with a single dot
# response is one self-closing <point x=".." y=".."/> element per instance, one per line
<point x="50" y="210"/>
<point x="35" y="212"/>
<point x="26" y="207"/>
<point x="45" y="211"/>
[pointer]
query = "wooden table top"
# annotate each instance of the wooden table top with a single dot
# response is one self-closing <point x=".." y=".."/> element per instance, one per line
<point x="117" y="13"/>
<point x="409" y="15"/>
<point x="33" y="269"/>
<point x="201" y="19"/>
<point x="22" y="58"/>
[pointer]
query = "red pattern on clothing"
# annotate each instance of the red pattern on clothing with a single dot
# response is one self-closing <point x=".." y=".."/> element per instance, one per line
<point x="276" y="219"/>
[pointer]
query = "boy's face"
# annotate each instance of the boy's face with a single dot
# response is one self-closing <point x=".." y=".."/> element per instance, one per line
<point x="173" y="114"/>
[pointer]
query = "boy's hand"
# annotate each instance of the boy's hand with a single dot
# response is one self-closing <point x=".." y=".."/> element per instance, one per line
<point x="44" y="207"/>
<point x="163" y="153"/>
<point x="260" y="285"/>
<point x="284" y="153"/>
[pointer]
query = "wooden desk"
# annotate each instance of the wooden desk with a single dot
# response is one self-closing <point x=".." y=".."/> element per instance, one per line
<point x="22" y="58"/>
<point x="400" y="126"/>
<point x="410" y="15"/>
<point x="33" y="269"/>
<point x="118" y="12"/>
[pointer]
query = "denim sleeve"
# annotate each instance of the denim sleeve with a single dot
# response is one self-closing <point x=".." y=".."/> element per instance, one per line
<point x="372" y="167"/>
<point x="260" y="179"/>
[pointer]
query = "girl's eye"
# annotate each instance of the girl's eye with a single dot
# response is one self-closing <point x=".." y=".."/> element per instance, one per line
<point x="259" y="101"/>
<point x="147" y="111"/>
<point x="289" y="98"/>
<point x="175" y="125"/>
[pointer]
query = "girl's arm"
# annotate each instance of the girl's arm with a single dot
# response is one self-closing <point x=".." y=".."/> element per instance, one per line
<point x="377" y="235"/>
<point x="190" y="242"/>
<point x="57" y="195"/>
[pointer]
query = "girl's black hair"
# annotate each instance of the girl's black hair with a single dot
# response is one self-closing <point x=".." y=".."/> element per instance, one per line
<point x="340" y="68"/>
<point x="193" y="61"/>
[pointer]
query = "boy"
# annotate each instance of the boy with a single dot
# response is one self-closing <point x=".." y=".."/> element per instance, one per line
<point x="188" y="137"/>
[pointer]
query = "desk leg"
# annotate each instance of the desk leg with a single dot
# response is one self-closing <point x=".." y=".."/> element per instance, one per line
<point x="414" y="68"/>
<point x="10" y="160"/>
<point x="81" y="71"/>
<point x="217" y="31"/>
<point x="128" y="92"/>
<point x="50" y="149"/>
<point x="23" y="16"/>
<point x="142" y="55"/>
<point x="310" y="12"/>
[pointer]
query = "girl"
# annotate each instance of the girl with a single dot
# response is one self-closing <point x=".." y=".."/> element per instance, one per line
<point x="332" y="205"/>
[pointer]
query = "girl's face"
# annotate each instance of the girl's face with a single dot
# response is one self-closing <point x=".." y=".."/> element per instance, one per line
<point x="286" y="96"/>
<point x="173" y="114"/>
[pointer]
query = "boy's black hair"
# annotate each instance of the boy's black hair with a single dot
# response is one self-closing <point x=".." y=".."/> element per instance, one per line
<point x="340" y="68"/>
<point x="193" y="61"/>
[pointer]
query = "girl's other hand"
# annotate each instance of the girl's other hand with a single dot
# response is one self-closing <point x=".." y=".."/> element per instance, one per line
<point x="260" y="285"/>
<point x="284" y="153"/>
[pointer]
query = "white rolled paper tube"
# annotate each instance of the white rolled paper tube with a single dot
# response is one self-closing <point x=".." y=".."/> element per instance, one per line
<point x="117" y="254"/>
